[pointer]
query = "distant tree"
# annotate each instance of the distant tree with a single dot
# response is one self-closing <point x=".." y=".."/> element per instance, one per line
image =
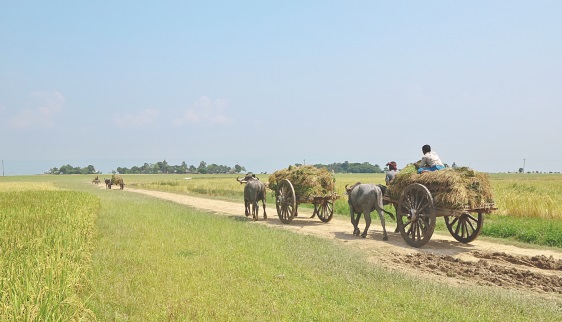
<point x="521" y="170"/>
<point x="54" y="170"/>
<point x="454" y="165"/>
<point x="89" y="169"/>
<point x="202" y="167"/>
<point x="345" y="167"/>
<point x="183" y="167"/>
<point x="164" y="167"/>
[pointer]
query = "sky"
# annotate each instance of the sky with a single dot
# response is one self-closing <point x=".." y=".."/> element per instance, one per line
<point x="267" y="84"/>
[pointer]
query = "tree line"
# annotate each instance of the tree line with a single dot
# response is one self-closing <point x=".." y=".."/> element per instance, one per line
<point x="164" y="167"/>
<point x="153" y="168"/>
<point x="68" y="169"/>
<point x="352" y="167"/>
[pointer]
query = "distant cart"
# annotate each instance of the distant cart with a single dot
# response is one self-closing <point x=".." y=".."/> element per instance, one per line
<point x="416" y="214"/>
<point x="287" y="203"/>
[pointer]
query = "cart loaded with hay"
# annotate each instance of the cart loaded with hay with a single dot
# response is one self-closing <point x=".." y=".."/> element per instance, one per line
<point x="303" y="184"/>
<point x="461" y="195"/>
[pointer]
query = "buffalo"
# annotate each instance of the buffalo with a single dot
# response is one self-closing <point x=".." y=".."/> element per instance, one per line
<point x="254" y="191"/>
<point x="107" y="183"/>
<point x="363" y="199"/>
<point x="119" y="181"/>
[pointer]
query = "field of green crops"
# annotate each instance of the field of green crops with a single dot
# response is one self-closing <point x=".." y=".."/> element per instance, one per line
<point x="71" y="251"/>
<point x="45" y="248"/>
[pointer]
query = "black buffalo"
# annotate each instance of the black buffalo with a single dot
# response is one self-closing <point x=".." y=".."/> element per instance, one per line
<point x="363" y="199"/>
<point x="254" y="191"/>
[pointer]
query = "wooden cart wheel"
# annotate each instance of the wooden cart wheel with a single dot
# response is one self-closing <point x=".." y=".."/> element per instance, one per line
<point x="416" y="215"/>
<point x="465" y="228"/>
<point x="286" y="201"/>
<point x="324" y="210"/>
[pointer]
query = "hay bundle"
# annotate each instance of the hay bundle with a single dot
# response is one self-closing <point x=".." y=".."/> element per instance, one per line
<point x="453" y="188"/>
<point x="116" y="179"/>
<point x="308" y="181"/>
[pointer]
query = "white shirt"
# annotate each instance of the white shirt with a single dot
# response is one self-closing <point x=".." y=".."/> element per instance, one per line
<point x="430" y="159"/>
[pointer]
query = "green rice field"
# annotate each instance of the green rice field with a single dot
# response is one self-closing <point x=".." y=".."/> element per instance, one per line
<point x="71" y="251"/>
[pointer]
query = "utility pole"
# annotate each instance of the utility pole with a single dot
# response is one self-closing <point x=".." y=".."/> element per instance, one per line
<point x="2" y="167"/>
<point x="523" y="165"/>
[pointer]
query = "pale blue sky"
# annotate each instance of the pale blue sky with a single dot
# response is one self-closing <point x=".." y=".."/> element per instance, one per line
<point x="268" y="84"/>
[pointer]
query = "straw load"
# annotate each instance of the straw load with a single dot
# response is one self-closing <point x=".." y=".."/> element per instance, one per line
<point x="308" y="181"/>
<point x="453" y="188"/>
<point x="116" y="179"/>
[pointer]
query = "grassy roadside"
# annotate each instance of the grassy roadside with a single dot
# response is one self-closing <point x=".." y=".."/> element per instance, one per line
<point x="154" y="260"/>
<point x="529" y="205"/>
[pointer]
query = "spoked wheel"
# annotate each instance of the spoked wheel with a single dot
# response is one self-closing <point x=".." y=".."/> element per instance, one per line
<point x="416" y="215"/>
<point x="324" y="210"/>
<point x="286" y="201"/>
<point x="466" y="227"/>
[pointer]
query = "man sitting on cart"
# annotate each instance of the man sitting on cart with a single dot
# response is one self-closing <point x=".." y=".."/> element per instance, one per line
<point x="430" y="160"/>
<point x="391" y="173"/>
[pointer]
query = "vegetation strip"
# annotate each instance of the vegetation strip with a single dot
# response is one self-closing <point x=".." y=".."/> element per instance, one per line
<point x="45" y="253"/>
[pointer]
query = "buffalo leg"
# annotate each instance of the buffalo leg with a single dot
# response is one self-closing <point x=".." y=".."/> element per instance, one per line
<point x="381" y="216"/>
<point x="255" y="210"/>
<point x="264" y="213"/>
<point x="367" y="224"/>
<point x="246" y="208"/>
<point x="355" y="222"/>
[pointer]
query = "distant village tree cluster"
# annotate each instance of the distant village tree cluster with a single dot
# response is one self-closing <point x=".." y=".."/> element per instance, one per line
<point x="164" y="167"/>
<point x="153" y="168"/>
<point x="68" y="169"/>
<point x="347" y="167"/>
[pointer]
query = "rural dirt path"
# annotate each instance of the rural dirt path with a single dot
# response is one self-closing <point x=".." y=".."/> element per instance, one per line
<point x="480" y="262"/>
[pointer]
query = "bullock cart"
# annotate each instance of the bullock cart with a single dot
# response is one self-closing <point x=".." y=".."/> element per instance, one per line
<point x="287" y="201"/>
<point x="416" y="213"/>
<point x="303" y="184"/>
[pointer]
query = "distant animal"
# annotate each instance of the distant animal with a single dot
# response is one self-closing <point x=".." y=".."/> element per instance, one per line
<point x="254" y="191"/>
<point x="107" y="183"/>
<point x="121" y="183"/>
<point x="363" y="199"/>
<point x="117" y="180"/>
<point x="96" y="180"/>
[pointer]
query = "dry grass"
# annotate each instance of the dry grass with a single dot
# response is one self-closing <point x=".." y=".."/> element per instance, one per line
<point x="451" y="188"/>
<point x="307" y="181"/>
<point x="24" y="186"/>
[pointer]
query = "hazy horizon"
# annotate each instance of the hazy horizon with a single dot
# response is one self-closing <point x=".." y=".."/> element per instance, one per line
<point x="18" y="168"/>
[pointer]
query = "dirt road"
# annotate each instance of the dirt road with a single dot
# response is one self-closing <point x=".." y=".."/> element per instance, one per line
<point x="480" y="262"/>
